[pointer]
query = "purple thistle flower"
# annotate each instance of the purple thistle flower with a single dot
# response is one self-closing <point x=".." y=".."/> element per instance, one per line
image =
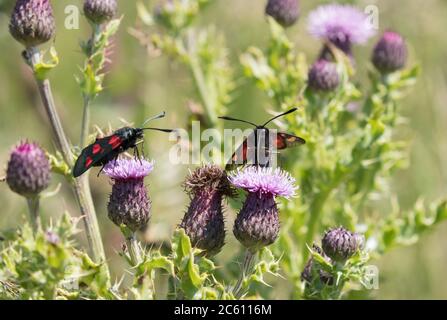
<point x="342" y="25"/>
<point x="285" y="12"/>
<point x="265" y="181"/>
<point x="390" y="53"/>
<point x="28" y="171"/>
<point x="323" y="76"/>
<point x="32" y="22"/>
<point x="129" y="202"/>
<point x="203" y="221"/>
<point x="257" y="224"/>
<point x="100" y="11"/>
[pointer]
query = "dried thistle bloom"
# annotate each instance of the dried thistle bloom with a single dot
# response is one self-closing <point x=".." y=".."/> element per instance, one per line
<point x="32" y="22"/>
<point x="342" y="25"/>
<point x="390" y="53"/>
<point x="28" y="171"/>
<point x="203" y="221"/>
<point x="100" y="11"/>
<point x="257" y="224"/>
<point x="340" y="244"/>
<point x="285" y="12"/>
<point x="310" y="271"/>
<point x="129" y="203"/>
<point x="323" y="76"/>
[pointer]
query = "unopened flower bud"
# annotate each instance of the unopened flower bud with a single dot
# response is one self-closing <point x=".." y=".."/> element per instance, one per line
<point x="340" y="244"/>
<point x="100" y="11"/>
<point x="32" y="22"/>
<point x="323" y="76"/>
<point x="129" y="202"/>
<point x="285" y="12"/>
<point x="390" y="53"/>
<point x="310" y="271"/>
<point x="28" y="171"/>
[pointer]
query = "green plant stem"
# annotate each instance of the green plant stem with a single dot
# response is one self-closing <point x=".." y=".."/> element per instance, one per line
<point x="245" y="270"/>
<point x="315" y="213"/>
<point x="33" y="208"/>
<point x="80" y="186"/>
<point x="200" y="82"/>
<point x="85" y="126"/>
<point x="134" y="249"/>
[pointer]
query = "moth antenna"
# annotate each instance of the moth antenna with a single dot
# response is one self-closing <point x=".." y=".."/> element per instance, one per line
<point x="280" y="115"/>
<point x="238" y="120"/>
<point x="158" y="116"/>
<point x="158" y="129"/>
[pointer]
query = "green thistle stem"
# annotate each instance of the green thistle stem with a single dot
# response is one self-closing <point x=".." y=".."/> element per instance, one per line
<point x="85" y="122"/>
<point x="200" y="82"/>
<point x="33" y="208"/>
<point x="85" y="126"/>
<point x="238" y="289"/>
<point x="80" y="186"/>
<point x="134" y="249"/>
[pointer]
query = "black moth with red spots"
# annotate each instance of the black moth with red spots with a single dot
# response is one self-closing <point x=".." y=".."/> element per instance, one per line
<point x="106" y="149"/>
<point x="260" y="139"/>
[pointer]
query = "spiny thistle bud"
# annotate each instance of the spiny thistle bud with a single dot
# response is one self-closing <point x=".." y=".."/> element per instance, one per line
<point x="310" y="271"/>
<point x="129" y="203"/>
<point x="28" y="171"/>
<point x="204" y="222"/>
<point x="257" y="224"/>
<point x="323" y="76"/>
<point x="285" y="12"/>
<point x="32" y="22"/>
<point x="390" y="53"/>
<point x="100" y="11"/>
<point x="340" y="244"/>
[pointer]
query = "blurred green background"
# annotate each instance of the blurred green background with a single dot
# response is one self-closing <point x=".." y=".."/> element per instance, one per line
<point x="138" y="86"/>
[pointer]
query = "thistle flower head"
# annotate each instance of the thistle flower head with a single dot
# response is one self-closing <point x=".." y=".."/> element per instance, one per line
<point x="203" y="221"/>
<point x="129" y="202"/>
<point x="342" y="25"/>
<point x="390" y="53"/>
<point x="323" y="76"/>
<point x="210" y="177"/>
<point x="32" y="22"/>
<point x="340" y="244"/>
<point x="28" y="171"/>
<point x="257" y="223"/>
<point x="285" y="12"/>
<point x="100" y="11"/>
<point x="265" y="181"/>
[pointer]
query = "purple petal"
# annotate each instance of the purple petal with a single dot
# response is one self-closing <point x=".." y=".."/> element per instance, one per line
<point x="340" y="21"/>
<point x="265" y="180"/>
<point x="126" y="169"/>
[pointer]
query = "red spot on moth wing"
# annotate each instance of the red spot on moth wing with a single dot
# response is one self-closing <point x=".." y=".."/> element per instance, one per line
<point x="96" y="149"/>
<point x="280" y="142"/>
<point x="88" y="162"/>
<point x="115" y="141"/>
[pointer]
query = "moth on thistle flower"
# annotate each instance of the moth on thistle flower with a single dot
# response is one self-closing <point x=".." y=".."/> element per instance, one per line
<point x="256" y="149"/>
<point x="103" y="150"/>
